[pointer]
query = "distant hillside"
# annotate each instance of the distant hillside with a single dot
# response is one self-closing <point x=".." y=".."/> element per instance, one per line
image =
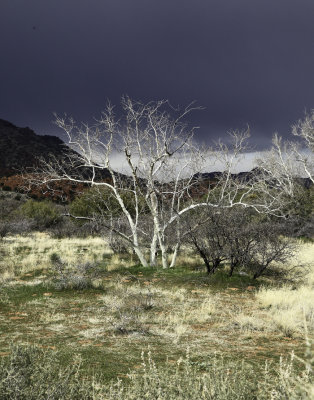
<point x="245" y="176"/>
<point x="21" y="147"/>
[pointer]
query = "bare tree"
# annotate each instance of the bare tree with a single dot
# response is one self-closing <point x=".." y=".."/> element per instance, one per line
<point x="163" y="162"/>
<point x="218" y="236"/>
<point x="239" y="238"/>
<point x="208" y="236"/>
<point x="270" y="247"/>
<point x="291" y="159"/>
<point x="304" y="151"/>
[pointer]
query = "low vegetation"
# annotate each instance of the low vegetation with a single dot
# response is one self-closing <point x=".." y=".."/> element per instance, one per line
<point x="73" y="310"/>
<point x="31" y="373"/>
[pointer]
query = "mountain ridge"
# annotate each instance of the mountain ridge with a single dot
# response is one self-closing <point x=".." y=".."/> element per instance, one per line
<point x="20" y="149"/>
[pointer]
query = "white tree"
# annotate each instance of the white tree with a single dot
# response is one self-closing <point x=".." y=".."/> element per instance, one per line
<point x="304" y="150"/>
<point x="164" y="164"/>
<point x="289" y="160"/>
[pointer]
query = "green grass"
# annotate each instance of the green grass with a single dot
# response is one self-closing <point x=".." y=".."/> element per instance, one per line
<point x="188" y="277"/>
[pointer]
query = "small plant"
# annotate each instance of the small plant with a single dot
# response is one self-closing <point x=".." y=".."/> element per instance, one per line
<point x="128" y="312"/>
<point x="77" y="279"/>
<point x="57" y="263"/>
<point x="4" y="229"/>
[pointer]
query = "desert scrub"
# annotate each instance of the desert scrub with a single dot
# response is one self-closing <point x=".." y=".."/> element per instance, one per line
<point x="216" y="380"/>
<point x="82" y="276"/>
<point x="30" y="373"/>
<point x="126" y="311"/>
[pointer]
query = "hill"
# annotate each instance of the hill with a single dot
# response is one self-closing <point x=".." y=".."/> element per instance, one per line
<point x="21" y="149"/>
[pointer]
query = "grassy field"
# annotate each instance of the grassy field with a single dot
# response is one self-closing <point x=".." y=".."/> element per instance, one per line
<point x="75" y="298"/>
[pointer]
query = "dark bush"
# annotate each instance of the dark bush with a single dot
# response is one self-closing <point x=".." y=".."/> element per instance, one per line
<point x="22" y="226"/>
<point x="239" y="238"/>
<point x="68" y="227"/>
<point x="4" y="229"/>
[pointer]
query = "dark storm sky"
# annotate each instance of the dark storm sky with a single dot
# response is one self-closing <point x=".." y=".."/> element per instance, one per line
<point x="246" y="61"/>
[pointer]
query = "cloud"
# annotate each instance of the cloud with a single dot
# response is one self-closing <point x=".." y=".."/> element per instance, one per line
<point x="247" y="62"/>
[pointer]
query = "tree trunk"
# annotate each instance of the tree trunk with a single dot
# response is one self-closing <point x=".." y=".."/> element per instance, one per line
<point x="140" y="256"/>
<point x="233" y="265"/>
<point x="216" y="264"/>
<point x="205" y="259"/>
<point x="208" y="267"/>
<point x="153" y="250"/>
<point x="174" y="256"/>
<point x="260" y="270"/>
<point x="157" y="229"/>
<point x="203" y="255"/>
<point x="164" y="255"/>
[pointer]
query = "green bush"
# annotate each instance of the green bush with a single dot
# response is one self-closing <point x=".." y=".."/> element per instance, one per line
<point x="100" y="201"/>
<point x="44" y="213"/>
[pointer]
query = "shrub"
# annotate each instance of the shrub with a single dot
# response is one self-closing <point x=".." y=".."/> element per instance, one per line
<point x="270" y="248"/>
<point x="128" y="311"/>
<point x="76" y="279"/>
<point x="4" y="229"/>
<point x="240" y="238"/>
<point x="22" y="226"/>
<point x="95" y="201"/>
<point x="118" y="245"/>
<point x="8" y="205"/>
<point x="64" y="228"/>
<point x="44" y="213"/>
<point x="100" y="201"/>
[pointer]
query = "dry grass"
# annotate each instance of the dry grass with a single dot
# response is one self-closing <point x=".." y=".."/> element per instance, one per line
<point x="249" y="323"/>
<point x="290" y="307"/>
<point x="28" y="253"/>
<point x="126" y="311"/>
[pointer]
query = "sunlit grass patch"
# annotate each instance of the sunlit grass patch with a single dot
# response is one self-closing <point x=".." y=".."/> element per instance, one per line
<point x="92" y="333"/>
<point x="28" y="253"/>
<point x="57" y="327"/>
<point x="289" y="308"/>
<point x="249" y="323"/>
<point x="48" y="317"/>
